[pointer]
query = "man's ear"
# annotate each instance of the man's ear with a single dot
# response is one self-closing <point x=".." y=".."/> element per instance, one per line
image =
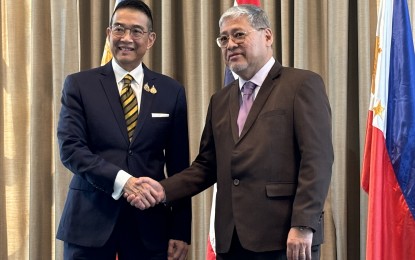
<point x="151" y="39"/>
<point x="269" y="37"/>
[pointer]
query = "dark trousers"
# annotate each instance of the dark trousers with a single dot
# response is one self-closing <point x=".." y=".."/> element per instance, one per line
<point x="124" y="241"/>
<point x="237" y="252"/>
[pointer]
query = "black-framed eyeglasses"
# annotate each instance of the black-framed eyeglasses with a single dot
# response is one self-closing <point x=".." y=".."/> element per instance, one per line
<point x="237" y="37"/>
<point x="120" y="30"/>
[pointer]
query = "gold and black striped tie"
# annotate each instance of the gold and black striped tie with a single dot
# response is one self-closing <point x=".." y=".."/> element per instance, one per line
<point x="129" y="105"/>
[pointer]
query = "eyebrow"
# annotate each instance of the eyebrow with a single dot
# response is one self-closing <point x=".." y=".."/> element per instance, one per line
<point x="233" y="31"/>
<point x="133" y="26"/>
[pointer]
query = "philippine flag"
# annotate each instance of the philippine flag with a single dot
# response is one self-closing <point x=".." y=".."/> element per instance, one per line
<point x="388" y="171"/>
<point x="228" y="78"/>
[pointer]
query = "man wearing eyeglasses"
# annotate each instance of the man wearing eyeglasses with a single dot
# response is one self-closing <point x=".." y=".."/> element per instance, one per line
<point x="267" y="143"/>
<point x="119" y="122"/>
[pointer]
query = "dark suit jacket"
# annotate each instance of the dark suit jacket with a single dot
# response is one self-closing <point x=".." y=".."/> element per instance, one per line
<point x="94" y="145"/>
<point x="277" y="173"/>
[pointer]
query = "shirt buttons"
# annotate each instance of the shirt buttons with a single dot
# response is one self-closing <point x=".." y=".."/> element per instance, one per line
<point x="130" y="152"/>
<point x="236" y="182"/>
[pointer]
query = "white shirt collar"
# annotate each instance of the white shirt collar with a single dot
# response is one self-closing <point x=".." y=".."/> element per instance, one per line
<point x="137" y="73"/>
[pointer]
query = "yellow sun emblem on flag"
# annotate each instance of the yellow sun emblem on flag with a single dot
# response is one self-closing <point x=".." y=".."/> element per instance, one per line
<point x="378" y="109"/>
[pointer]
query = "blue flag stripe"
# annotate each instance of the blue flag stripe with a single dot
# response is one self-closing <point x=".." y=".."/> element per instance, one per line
<point x="400" y="130"/>
<point x="228" y="78"/>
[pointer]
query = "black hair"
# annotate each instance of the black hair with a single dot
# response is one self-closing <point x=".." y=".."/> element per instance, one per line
<point x="138" y="5"/>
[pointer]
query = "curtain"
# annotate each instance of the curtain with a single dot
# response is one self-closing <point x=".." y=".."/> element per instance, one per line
<point x="42" y="41"/>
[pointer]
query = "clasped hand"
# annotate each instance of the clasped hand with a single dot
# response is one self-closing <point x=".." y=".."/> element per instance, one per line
<point x="143" y="192"/>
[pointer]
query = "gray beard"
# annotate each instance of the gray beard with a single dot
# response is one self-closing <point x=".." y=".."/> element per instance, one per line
<point x="238" y="68"/>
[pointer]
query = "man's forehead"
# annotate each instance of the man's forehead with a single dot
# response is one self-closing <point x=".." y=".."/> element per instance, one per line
<point x="234" y="26"/>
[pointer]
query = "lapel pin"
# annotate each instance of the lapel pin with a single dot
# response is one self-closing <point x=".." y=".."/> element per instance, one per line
<point x="151" y="89"/>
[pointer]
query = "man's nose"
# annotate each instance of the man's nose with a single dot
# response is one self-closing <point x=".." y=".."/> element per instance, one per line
<point x="127" y="35"/>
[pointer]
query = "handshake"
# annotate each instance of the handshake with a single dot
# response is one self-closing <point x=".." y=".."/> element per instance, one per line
<point x="143" y="192"/>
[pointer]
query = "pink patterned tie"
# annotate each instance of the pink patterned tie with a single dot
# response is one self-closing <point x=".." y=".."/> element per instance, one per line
<point x="247" y="100"/>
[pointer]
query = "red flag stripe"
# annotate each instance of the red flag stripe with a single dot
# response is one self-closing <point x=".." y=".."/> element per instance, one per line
<point x="251" y="2"/>
<point x="390" y="223"/>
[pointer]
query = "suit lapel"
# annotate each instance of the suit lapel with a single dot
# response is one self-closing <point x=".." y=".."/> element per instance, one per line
<point x="234" y="103"/>
<point x="109" y="85"/>
<point x="261" y="97"/>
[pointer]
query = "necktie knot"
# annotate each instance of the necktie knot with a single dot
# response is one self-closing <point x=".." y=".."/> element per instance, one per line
<point x="127" y="79"/>
<point x="248" y="88"/>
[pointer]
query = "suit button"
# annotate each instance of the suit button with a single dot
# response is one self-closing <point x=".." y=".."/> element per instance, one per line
<point x="236" y="182"/>
<point x="130" y="152"/>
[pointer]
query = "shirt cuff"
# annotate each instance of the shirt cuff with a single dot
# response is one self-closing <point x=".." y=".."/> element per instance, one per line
<point x="120" y="181"/>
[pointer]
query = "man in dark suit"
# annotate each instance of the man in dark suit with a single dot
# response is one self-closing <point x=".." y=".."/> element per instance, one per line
<point x="273" y="170"/>
<point x="119" y="122"/>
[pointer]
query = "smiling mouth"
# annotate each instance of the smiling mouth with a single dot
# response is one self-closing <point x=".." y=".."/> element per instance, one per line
<point x="125" y="49"/>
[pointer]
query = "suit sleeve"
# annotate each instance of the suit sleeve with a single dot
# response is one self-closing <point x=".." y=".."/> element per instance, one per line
<point x="177" y="159"/>
<point x="312" y="124"/>
<point x="201" y="174"/>
<point x="75" y="151"/>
